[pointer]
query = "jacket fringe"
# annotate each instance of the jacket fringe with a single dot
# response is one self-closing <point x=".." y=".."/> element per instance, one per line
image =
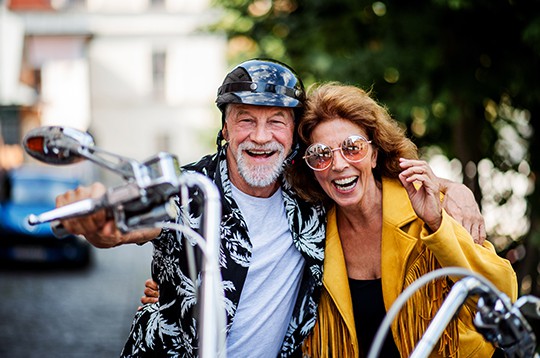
<point x="330" y="336"/>
<point x="421" y="308"/>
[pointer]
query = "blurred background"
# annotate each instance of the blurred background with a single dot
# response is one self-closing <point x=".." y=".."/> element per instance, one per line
<point x="141" y="76"/>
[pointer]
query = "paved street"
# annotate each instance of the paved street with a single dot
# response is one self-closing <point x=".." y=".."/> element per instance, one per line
<point x="73" y="313"/>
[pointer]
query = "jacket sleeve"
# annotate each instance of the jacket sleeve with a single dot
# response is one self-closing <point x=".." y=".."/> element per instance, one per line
<point x="454" y="247"/>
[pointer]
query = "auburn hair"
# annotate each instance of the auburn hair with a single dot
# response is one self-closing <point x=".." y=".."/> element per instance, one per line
<point x="331" y="100"/>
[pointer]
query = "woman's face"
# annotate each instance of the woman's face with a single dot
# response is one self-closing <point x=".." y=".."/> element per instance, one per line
<point x="345" y="182"/>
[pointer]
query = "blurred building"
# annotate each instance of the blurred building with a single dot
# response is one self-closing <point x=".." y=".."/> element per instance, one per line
<point x="140" y="75"/>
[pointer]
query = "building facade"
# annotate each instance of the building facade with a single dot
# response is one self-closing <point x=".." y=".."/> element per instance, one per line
<point x="140" y="75"/>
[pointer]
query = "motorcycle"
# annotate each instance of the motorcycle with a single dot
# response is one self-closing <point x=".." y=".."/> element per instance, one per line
<point x="145" y="199"/>
<point x="502" y="323"/>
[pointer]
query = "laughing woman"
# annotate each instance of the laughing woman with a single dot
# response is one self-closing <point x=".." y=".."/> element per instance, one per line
<point x="386" y="228"/>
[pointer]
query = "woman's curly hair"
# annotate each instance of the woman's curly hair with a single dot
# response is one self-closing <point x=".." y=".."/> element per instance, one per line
<point x="333" y="100"/>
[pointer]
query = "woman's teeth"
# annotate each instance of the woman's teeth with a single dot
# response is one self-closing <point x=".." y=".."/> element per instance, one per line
<point x="346" y="183"/>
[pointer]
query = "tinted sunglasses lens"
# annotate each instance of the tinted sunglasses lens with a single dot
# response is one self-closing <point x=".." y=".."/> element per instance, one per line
<point x="318" y="156"/>
<point x="355" y="148"/>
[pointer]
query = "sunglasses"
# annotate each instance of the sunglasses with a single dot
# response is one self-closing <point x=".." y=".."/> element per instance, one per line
<point x="320" y="157"/>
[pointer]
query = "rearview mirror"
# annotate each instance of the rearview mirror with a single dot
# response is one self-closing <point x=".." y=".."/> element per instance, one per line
<point x="57" y="145"/>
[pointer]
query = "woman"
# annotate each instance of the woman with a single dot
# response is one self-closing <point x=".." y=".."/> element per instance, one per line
<point x="386" y="228"/>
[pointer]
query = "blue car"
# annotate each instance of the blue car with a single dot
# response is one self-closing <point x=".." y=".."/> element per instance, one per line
<point x="33" y="190"/>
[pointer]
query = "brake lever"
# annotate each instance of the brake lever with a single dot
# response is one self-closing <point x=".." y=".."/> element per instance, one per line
<point x="79" y="208"/>
<point x="59" y="230"/>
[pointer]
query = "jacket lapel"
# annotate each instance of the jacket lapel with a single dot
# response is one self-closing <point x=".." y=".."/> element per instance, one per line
<point x="335" y="278"/>
<point x="397" y="244"/>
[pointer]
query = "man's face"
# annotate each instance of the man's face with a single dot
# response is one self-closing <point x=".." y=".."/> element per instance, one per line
<point x="259" y="139"/>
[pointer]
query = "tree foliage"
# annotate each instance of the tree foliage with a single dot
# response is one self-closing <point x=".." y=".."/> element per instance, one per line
<point x="453" y="71"/>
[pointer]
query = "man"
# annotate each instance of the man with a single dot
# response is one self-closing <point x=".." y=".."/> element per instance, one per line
<point x="272" y="242"/>
<point x="265" y="228"/>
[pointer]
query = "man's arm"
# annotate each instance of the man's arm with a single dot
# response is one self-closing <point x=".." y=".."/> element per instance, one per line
<point x="459" y="203"/>
<point x="97" y="228"/>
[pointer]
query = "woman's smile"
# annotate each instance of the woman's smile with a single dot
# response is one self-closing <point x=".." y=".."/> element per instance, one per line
<point x="345" y="184"/>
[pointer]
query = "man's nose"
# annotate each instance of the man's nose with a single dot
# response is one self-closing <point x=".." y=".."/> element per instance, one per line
<point x="261" y="134"/>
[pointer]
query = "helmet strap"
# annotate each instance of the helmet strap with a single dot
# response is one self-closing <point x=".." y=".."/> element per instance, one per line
<point x="290" y="158"/>
<point x="219" y="140"/>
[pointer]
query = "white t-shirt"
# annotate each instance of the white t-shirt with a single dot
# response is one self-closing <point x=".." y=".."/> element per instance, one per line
<point x="272" y="282"/>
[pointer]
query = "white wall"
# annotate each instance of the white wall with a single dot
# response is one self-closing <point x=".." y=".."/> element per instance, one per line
<point x="106" y="71"/>
<point x="142" y="5"/>
<point x="128" y="119"/>
<point x="65" y="87"/>
<point x="65" y="93"/>
<point x="124" y="6"/>
<point x="11" y="50"/>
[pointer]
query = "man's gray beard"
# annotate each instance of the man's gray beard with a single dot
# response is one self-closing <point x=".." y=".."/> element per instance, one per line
<point x="260" y="176"/>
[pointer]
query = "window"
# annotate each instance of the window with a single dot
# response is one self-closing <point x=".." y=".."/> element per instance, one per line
<point x="158" y="73"/>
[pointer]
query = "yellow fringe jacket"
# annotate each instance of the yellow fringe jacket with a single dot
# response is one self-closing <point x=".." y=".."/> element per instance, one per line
<point x="408" y="252"/>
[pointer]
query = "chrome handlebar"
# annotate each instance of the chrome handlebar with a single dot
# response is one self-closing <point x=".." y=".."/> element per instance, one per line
<point x="502" y="323"/>
<point x="146" y="199"/>
<point x="143" y="200"/>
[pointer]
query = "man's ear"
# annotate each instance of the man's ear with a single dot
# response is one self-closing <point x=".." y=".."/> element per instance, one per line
<point x="225" y="132"/>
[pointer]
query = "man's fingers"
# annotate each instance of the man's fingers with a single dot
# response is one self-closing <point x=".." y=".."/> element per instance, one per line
<point x="476" y="229"/>
<point x="150" y="292"/>
<point x="482" y="235"/>
<point x="146" y="300"/>
<point x="151" y="284"/>
<point x="83" y="224"/>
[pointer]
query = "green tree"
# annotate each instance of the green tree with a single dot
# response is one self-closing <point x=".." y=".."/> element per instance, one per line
<point x="460" y="74"/>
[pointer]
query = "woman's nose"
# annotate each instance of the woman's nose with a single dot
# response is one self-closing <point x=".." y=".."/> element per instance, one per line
<point x="338" y="160"/>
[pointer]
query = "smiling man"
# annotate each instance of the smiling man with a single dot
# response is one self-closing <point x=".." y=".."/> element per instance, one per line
<point x="272" y="243"/>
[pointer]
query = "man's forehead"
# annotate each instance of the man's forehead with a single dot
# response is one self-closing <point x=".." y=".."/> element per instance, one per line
<point x="237" y="108"/>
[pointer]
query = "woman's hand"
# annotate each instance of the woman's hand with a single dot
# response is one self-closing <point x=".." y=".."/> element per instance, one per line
<point x="424" y="191"/>
<point x="459" y="201"/>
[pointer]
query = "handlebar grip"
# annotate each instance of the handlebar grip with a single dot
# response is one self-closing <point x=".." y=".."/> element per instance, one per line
<point x="59" y="230"/>
<point x="76" y="209"/>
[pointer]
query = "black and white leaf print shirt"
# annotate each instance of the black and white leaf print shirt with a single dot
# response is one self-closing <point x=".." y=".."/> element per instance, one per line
<point x="169" y="327"/>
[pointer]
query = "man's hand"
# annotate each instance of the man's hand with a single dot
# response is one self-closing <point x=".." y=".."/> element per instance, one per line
<point x="97" y="228"/>
<point x="151" y="292"/>
<point x="459" y="203"/>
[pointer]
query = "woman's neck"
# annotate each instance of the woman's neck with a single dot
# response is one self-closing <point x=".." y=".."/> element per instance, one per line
<point x="360" y="232"/>
<point x="366" y="211"/>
